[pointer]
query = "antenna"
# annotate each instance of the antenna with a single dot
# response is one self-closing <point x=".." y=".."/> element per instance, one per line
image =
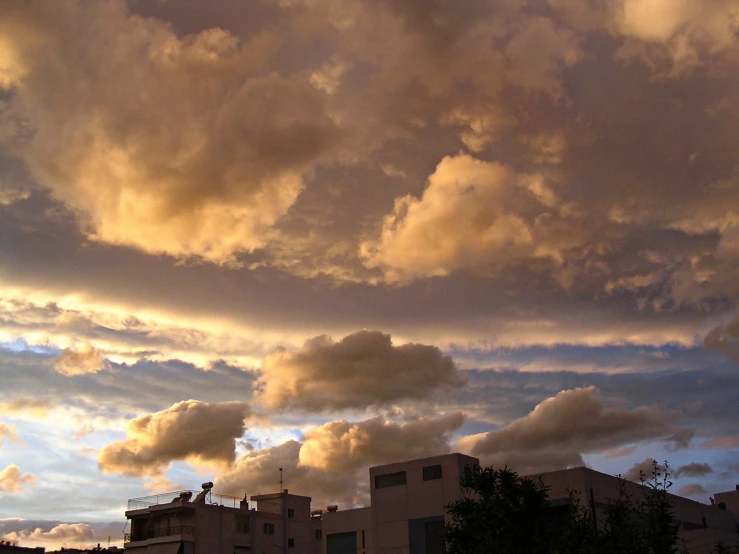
<point x="280" y="479"/>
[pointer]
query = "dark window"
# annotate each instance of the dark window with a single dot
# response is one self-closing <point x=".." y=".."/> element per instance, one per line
<point x="390" y="480"/>
<point x="431" y="472"/>
<point x="269" y="528"/>
<point x="291" y="543"/>
<point x="362" y="538"/>
<point x="435" y="537"/>
<point x="290" y="512"/>
<point x="242" y="524"/>
<point x="341" y="543"/>
<point x="319" y="534"/>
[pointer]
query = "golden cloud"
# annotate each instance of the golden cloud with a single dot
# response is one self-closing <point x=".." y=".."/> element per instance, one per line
<point x="560" y="429"/>
<point x="362" y="369"/>
<point x="12" y="480"/>
<point x="86" y="359"/>
<point x="192" y="430"/>
<point x="174" y="145"/>
<point x="341" y="446"/>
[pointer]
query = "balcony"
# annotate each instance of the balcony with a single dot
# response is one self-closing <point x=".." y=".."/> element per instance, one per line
<point x="173" y="496"/>
<point x="178" y="530"/>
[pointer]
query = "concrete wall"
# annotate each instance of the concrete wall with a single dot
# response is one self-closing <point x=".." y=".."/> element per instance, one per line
<point x="596" y="489"/>
<point x="357" y="521"/>
<point x="731" y="499"/>
<point x="393" y="507"/>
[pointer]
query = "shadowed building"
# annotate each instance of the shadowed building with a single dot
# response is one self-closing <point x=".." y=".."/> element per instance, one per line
<point x="209" y="523"/>
<point x="409" y="499"/>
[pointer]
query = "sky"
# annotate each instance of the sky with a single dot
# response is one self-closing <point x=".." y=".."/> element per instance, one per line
<point x="325" y="235"/>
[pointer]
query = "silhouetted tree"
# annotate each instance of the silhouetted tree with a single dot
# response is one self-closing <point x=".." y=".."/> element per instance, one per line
<point x="506" y="514"/>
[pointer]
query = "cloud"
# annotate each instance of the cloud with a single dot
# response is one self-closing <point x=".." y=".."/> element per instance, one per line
<point x="693" y="469"/>
<point x="561" y="428"/>
<point x="643" y="468"/>
<point x="12" y="480"/>
<point x="79" y="362"/>
<point x="7" y="432"/>
<point x="54" y="534"/>
<point x="62" y="534"/>
<point x="203" y="153"/>
<point x="257" y="472"/>
<point x="728" y="442"/>
<point x="725" y="338"/>
<point x="472" y="214"/>
<point x="341" y="446"/>
<point x="361" y="370"/>
<point x="193" y="430"/>
<point x="692" y="490"/>
<point x="331" y="462"/>
<point x="34" y="407"/>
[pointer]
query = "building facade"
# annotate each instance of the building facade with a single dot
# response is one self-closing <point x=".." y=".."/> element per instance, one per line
<point x="409" y="499"/>
<point x="407" y="512"/>
<point x="278" y="523"/>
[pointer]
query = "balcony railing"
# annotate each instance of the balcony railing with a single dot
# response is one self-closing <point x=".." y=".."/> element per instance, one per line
<point x="172" y="496"/>
<point x="177" y="530"/>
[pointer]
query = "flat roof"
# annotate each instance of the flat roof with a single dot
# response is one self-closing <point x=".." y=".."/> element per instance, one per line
<point x="275" y="495"/>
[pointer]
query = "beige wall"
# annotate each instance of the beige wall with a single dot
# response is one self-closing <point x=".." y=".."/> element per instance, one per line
<point x="392" y="507"/>
<point x="358" y="520"/>
<point x="215" y="527"/>
<point x="731" y="499"/>
<point x="604" y="488"/>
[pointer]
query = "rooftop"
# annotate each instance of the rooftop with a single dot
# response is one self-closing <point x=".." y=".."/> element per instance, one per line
<point x="211" y="498"/>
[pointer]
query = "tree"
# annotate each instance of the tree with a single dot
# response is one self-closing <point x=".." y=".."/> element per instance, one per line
<point x="506" y="513"/>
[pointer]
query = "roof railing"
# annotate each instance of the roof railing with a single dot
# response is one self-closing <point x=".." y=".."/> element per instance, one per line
<point x="211" y="498"/>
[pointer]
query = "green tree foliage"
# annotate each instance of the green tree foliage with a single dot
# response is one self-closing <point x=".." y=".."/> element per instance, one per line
<point x="504" y="513"/>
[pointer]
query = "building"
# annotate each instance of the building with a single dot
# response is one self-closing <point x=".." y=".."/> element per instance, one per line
<point x="701" y="525"/>
<point x="407" y="510"/>
<point x="728" y="500"/>
<point x="408" y="500"/>
<point x="7" y="547"/>
<point x="210" y="523"/>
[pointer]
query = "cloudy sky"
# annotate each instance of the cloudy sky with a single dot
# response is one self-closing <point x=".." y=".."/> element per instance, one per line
<point x="329" y="234"/>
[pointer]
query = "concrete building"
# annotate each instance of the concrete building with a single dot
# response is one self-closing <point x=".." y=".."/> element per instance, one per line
<point x="728" y="500"/>
<point x="210" y="523"/>
<point x="701" y="525"/>
<point x="407" y="512"/>
<point x="408" y="501"/>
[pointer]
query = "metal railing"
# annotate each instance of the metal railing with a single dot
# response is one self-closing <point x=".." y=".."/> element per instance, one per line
<point x="177" y="530"/>
<point x="168" y="497"/>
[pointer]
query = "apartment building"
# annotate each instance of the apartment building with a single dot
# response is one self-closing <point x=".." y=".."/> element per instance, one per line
<point x="407" y="511"/>
<point x="182" y="522"/>
<point x="701" y="525"/>
<point x="408" y="500"/>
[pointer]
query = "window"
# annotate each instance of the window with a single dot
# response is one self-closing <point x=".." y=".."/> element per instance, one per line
<point x="390" y="480"/>
<point x="290" y="512"/>
<point x="434" y="531"/>
<point x="242" y="524"/>
<point x="319" y="534"/>
<point x="269" y="528"/>
<point x="291" y="543"/>
<point x="431" y="472"/>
